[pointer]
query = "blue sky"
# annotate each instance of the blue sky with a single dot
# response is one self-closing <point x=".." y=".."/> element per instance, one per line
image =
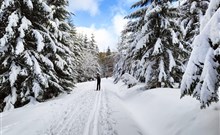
<point x="101" y="18"/>
<point x="104" y="18"/>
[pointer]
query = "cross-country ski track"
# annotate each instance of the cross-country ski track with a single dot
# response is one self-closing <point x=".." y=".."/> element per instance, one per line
<point x="91" y="113"/>
<point x="115" y="110"/>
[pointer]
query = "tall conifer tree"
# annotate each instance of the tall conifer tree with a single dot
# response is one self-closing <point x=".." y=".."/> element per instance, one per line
<point x="33" y="51"/>
<point x="156" y="54"/>
<point x="202" y="76"/>
<point x="192" y="14"/>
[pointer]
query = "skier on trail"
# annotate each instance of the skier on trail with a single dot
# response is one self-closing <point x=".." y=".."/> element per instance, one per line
<point x="98" y="82"/>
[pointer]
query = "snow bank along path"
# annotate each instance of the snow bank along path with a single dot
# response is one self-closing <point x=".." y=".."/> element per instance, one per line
<point x="83" y="112"/>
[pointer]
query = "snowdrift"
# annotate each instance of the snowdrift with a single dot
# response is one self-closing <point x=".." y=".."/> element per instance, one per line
<point x="161" y="112"/>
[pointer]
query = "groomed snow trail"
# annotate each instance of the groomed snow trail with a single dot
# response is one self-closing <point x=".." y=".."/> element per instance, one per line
<point x="115" y="110"/>
<point x="90" y="112"/>
<point x="92" y="123"/>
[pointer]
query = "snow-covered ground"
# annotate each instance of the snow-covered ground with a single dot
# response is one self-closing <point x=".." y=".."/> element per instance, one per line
<point x="115" y="110"/>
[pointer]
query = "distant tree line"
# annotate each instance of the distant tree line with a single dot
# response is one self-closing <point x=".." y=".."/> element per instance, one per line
<point x="106" y="60"/>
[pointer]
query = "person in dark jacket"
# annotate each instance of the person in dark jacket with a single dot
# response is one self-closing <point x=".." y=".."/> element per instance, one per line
<point x="98" y="81"/>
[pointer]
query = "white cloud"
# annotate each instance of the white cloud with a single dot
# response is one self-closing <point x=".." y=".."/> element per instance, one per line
<point x="118" y="23"/>
<point x="107" y="36"/>
<point x="103" y="37"/>
<point x="92" y="6"/>
<point x="110" y="34"/>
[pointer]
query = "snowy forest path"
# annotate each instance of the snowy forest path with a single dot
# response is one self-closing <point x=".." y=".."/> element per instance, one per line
<point x="90" y="112"/>
<point x="109" y="116"/>
<point x="82" y="112"/>
<point x="73" y="116"/>
<point x="112" y="111"/>
<point x="92" y="123"/>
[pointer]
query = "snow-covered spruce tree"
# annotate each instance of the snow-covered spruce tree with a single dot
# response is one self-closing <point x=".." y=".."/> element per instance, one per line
<point x="157" y="53"/>
<point x="76" y="49"/>
<point x="93" y="46"/>
<point x="33" y="53"/>
<point x="109" y="62"/>
<point x="94" y="51"/>
<point x="60" y="30"/>
<point x="192" y="12"/>
<point x="130" y="32"/>
<point x="120" y="57"/>
<point x="201" y="78"/>
<point x="89" y="61"/>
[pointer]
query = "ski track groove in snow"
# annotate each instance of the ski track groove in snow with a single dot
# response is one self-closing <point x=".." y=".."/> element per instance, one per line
<point x="107" y="122"/>
<point x="73" y="118"/>
<point x="100" y="121"/>
<point x="90" y="115"/>
<point x="92" y="124"/>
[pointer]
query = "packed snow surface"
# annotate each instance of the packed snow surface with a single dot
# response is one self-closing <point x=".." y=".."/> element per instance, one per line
<point x="115" y="110"/>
